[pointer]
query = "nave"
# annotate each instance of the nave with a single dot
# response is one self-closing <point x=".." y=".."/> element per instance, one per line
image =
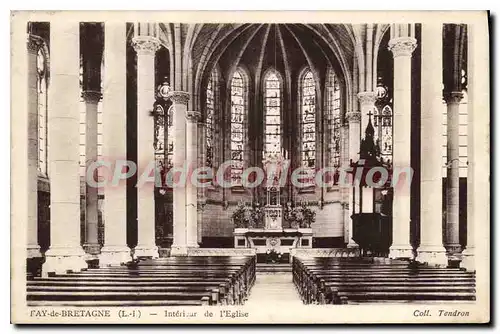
<point x="233" y="280"/>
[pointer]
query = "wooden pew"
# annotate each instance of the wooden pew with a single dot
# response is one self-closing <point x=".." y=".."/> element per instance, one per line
<point x="331" y="280"/>
<point x="171" y="281"/>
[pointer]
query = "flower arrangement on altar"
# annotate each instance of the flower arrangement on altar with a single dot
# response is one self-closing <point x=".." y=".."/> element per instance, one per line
<point x="248" y="216"/>
<point x="273" y="256"/>
<point x="300" y="216"/>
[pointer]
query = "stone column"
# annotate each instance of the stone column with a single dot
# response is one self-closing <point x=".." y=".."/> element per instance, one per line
<point x="431" y="248"/>
<point x="201" y="191"/>
<point x="34" y="43"/>
<point x="91" y="99"/>
<point x="115" y="250"/>
<point x="367" y="104"/>
<point x="65" y="251"/>
<point x="201" y="208"/>
<point x="146" y="47"/>
<point x="192" y="118"/>
<point x="478" y="147"/>
<point x="402" y="47"/>
<point x="452" y="243"/>
<point x="180" y="101"/>
<point x="354" y="118"/>
<point x="344" y="191"/>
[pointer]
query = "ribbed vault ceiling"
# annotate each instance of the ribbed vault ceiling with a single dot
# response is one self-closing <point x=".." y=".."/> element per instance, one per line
<point x="286" y="47"/>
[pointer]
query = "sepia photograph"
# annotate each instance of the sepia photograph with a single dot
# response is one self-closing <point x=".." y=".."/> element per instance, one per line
<point x="250" y="167"/>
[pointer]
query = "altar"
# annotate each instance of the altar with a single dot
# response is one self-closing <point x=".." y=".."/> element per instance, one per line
<point x="273" y="229"/>
<point x="279" y="241"/>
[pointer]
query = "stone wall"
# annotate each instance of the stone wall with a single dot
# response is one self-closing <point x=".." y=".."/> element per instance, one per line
<point x="329" y="221"/>
<point x="216" y="220"/>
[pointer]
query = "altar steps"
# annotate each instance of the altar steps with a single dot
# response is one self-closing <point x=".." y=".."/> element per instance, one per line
<point x="271" y="268"/>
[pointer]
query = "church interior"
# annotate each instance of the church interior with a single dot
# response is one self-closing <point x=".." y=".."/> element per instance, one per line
<point x="236" y="98"/>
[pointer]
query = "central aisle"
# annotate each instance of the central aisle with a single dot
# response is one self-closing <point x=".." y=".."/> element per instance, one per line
<point x="272" y="289"/>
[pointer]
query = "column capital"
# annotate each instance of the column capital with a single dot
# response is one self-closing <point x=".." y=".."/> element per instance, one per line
<point x="145" y="45"/>
<point x="91" y="96"/>
<point x="178" y="97"/>
<point x="453" y="97"/>
<point x="402" y="46"/>
<point x="193" y="116"/>
<point x="34" y="43"/>
<point x="354" y="116"/>
<point x="367" y="97"/>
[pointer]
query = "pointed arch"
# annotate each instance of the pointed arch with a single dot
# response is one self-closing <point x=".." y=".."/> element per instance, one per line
<point x="239" y="123"/>
<point x="333" y="117"/>
<point x="272" y="84"/>
<point x="308" y="117"/>
<point x="212" y="102"/>
<point x="383" y="132"/>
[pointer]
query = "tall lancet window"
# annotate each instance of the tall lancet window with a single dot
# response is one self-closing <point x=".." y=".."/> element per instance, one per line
<point x="170" y="136"/>
<point x="159" y="136"/>
<point x="42" y="111"/>
<point x="384" y="136"/>
<point x="209" y="118"/>
<point x="333" y="117"/>
<point x="382" y="121"/>
<point x="272" y="114"/>
<point x="308" y="120"/>
<point x="238" y="121"/>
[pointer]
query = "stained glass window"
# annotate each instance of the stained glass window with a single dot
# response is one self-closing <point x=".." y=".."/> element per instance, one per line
<point x="238" y="112"/>
<point x="272" y="105"/>
<point x="42" y="112"/>
<point x="159" y="137"/>
<point x="308" y="120"/>
<point x="170" y="137"/>
<point x="382" y="122"/>
<point x="333" y="118"/>
<point x="163" y="137"/>
<point x="209" y="119"/>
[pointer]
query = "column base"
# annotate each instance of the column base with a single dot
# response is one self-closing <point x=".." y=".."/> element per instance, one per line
<point x="61" y="259"/>
<point x="33" y="251"/>
<point x="468" y="260"/>
<point x="432" y="255"/>
<point x="92" y="248"/>
<point x="149" y="251"/>
<point x="178" y="250"/>
<point x="114" y="256"/>
<point x="401" y="252"/>
<point x="453" y="249"/>
<point x="352" y="244"/>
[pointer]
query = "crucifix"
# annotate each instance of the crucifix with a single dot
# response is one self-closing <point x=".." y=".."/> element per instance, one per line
<point x="370" y="114"/>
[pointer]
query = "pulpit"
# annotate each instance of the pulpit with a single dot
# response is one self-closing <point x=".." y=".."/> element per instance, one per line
<point x="372" y="199"/>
